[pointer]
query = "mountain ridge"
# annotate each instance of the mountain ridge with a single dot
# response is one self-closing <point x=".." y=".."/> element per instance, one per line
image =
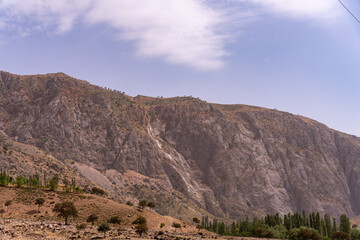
<point x="229" y="160"/>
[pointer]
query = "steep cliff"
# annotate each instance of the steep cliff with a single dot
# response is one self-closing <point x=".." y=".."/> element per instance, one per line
<point x="229" y="160"/>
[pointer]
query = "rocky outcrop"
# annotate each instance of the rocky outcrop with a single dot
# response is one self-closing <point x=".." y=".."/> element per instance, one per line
<point x="230" y="160"/>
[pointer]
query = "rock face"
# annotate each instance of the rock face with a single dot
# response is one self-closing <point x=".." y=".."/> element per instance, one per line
<point x="229" y="160"/>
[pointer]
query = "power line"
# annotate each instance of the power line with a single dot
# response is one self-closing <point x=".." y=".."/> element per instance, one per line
<point x="347" y="9"/>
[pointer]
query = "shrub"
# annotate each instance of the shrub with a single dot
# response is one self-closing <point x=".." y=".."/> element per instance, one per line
<point x="162" y="225"/>
<point x="115" y="220"/>
<point x="142" y="203"/>
<point x="340" y="235"/>
<point x="176" y="225"/>
<point x="151" y="204"/>
<point x="129" y="203"/>
<point x="81" y="226"/>
<point x="97" y="191"/>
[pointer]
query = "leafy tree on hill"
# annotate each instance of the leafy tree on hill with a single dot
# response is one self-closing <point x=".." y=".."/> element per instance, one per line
<point x="92" y="218"/>
<point x="39" y="202"/>
<point x="104" y="227"/>
<point x="140" y="220"/>
<point x="141" y="229"/>
<point x="66" y="210"/>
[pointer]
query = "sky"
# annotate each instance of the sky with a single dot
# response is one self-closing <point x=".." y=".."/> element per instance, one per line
<point x="298" y="56"/>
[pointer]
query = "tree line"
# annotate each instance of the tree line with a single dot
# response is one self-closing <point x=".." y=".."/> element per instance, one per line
<point x="291" y="226"/>
<point x="37" y="181"/>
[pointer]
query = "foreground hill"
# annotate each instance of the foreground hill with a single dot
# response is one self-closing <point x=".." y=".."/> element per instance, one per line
<point x="189" y="155"/>
<point x="23" y="210"/>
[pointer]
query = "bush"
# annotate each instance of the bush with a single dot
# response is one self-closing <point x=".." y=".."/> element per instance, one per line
<point x="162" y="225"/>
<point x="97" y="191"/>
<point x="263" y="233"/>
<point x="151" y="204"/>
<point x="176" y="225"/>
<point x="340" y="235"/>
<point x="81" y="226"/>
<point x="160" y="233"/>
<point x="304" y="233"/>
<point x="115" y="220"/>
<point x="129" y="203"/>
<point x="142" y="203"/>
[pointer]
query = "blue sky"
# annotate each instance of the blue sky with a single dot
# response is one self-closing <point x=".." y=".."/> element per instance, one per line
<point x="300" y="56"/>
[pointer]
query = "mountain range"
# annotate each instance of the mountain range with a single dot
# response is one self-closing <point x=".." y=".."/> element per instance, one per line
<point x="191" y="157"/>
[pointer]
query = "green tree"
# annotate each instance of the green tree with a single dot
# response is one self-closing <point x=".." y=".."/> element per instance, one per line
<point x="344" y="224"/>
<point x="139" y="220"/>
<point x="66" y="209"/>
<point x="54" y="182"/>
<point x="21" y="181"/>
<point x="104" y="227"/>
<point x="141" y="229"/>
<point x="92" y="218"/>
<point x="39" y="202"/>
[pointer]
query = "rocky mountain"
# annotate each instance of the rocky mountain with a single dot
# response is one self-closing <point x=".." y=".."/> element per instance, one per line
<point x="191" y="156"/>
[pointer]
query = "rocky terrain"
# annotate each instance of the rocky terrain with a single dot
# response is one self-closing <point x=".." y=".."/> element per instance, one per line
<point x="191" y="156"/>
<point x="21" y="220"/>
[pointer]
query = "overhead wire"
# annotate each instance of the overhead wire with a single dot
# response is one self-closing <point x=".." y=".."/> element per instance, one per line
<point x="347" y="9"/>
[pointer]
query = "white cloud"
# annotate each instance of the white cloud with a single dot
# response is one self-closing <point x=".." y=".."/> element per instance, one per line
<point x="322" y="11"/>
<point x="185" y="32"/>
<point x="181" y="32"/>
